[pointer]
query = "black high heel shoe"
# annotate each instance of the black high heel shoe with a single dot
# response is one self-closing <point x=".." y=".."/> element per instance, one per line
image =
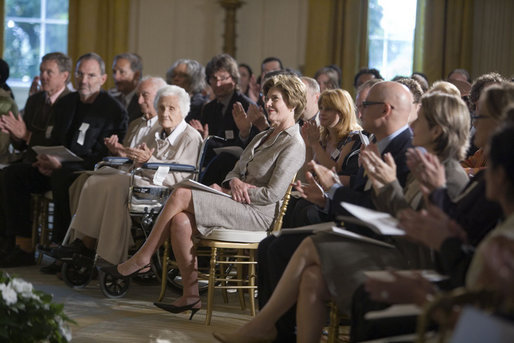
<point x="113" y="270"/>
<point x="178" y="309"/>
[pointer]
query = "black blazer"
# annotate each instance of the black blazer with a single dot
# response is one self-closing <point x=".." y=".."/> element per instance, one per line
<point x="105" y="117"/>
<point x="133" y="109"/>
<point x="219" y="123"/>
<point x="356" y="194"/>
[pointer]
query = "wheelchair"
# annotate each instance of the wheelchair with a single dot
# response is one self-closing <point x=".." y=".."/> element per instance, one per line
<point x="144" y="204"/>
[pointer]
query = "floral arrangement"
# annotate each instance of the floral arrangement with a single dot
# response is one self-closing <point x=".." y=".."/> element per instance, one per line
<point x="28" y="315"/>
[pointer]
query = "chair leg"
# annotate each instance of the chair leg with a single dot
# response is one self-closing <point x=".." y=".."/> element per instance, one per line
<point x="223" y="276"/>
<point x="251" y="281"/>
<point x="240" y="277"/>
<point x="333" y="329"/>
<point x="164" y="276"/>
<point x="210" y="289"/>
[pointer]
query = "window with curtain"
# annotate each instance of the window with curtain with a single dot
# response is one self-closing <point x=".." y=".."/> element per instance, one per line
<point x="391" y="25"/>
<point x="33" y="28"/>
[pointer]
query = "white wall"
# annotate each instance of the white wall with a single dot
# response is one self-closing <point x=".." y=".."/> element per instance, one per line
<point x="166" y="30"/>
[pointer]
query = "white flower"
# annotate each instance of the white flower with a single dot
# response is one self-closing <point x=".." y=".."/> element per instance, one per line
<point x="8" y="294"/>
<point x="22" y="287"/>
<point x="63" y="328"/>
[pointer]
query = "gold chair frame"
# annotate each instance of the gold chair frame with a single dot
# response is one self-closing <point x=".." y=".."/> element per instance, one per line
<point x="222" y="253"/>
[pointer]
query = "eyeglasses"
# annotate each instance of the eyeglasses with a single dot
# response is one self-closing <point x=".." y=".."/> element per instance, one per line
<point x="369" y="103"/>
<point x="214" y="79"/>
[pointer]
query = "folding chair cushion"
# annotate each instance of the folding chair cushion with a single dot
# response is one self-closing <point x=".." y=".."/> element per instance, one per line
<point x="220" y="234"/>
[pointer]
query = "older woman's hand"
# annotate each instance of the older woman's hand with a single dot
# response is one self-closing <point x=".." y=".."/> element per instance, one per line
<point x="141" y="154"/>
<point x="203" y="129"/>
<point x="310" y="133"/>
<point x="401" y="289"/>
<point x="239" y="190"/>
<point x="242" y="121"/>
<point x="430" y="227"/>
<point x="427" y="169"/>
<point x="311" y="191"/>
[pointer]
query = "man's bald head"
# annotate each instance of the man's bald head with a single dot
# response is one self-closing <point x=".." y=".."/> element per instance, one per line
<point x="388" y="108"/>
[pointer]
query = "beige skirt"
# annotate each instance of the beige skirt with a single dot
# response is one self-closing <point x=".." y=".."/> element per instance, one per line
<point x="216" y="211"/>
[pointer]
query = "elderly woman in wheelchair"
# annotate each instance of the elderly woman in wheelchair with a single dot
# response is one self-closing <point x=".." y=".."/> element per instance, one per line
<point x="102" y="220"/>
<point x="256" y="185"/>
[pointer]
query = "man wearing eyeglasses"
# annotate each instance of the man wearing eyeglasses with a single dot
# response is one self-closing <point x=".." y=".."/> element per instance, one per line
<point x="218" y="118"/>
<point x="82" y="120"/>
<point x="385" y="114"/>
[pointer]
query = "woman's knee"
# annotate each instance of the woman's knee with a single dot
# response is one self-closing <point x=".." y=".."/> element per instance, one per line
<point x="180" y="194"/>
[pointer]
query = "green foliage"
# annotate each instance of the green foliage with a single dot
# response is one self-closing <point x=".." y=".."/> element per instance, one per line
<point x="28" y="315"/>
<point x="22" y="39"/>
<point x="23" y="8"/>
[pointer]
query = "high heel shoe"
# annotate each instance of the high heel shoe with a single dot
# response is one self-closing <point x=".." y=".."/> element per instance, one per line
<point x="113" y="270"/>
<point x="178" y="309"/>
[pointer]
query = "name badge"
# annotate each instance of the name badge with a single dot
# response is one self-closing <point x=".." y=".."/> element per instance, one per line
<point x="48" y="132"/>
<point x="335" y="154"/>
<point x="82" y="133"/>
<point x="160" y="175"/>
<point x="229" y="134"/>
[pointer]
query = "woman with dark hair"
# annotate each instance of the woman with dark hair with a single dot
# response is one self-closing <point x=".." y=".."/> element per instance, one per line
<point x="246" y="78"/>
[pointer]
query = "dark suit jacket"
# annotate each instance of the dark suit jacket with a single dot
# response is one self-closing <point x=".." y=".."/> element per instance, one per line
<point x="133" y="109"/>
<point x="38" y="117"/>
<point x="356" y="194"/>
<point x="219" y="123"/>
<point x="105" y="117"/>
<point x="198" y="100"/>
<point x="476" y="215"/>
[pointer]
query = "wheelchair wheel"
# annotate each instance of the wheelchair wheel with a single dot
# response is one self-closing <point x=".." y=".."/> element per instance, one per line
<point x="76" y="276"/>
<point x="113" y="287"/>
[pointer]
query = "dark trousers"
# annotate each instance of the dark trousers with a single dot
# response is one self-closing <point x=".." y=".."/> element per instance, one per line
<point x="18" y="182"/>
<point x="363" y="329"/>
<point x="301" y="212"/>
<point x="273" y="255"/>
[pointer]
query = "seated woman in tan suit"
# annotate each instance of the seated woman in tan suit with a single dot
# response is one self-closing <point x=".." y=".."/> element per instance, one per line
<point x="327" y="267"/>
<point x="257" y="183"/>
<point x="102" y="218"/>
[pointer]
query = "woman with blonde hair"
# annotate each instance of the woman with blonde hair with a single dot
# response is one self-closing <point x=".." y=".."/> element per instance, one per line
<point x="255" y="187"/>
<point x="335" y="145"/>
<point x="444" y="87"/>
<point x="328" y="145"/>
